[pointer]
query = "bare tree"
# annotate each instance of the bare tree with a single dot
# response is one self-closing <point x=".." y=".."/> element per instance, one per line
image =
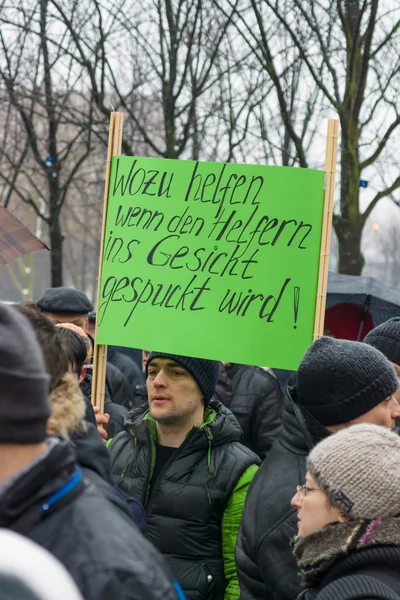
<point x="229" y="111"/>
<point x="169" y="81"/>
<point x="47" y="134"/>
<point x="170" y="66"/>
<point x="343" y="57"/>
<point x="82" y="220"/>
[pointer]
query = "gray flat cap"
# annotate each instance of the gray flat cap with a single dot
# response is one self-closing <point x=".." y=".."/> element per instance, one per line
<point x="65" y="300"/>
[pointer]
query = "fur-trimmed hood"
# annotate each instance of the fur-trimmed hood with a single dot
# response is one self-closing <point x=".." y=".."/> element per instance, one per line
<point x="68" y="408"/>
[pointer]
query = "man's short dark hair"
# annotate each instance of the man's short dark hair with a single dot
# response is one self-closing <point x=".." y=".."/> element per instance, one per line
<point x="76" y="347"/>
<point x="92" y="317"/>
<point x="53" y="348"/>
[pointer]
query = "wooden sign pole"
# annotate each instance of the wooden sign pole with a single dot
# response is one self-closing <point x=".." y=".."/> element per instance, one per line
<point x="330" y="169"/>
<point x="100" y="352"/>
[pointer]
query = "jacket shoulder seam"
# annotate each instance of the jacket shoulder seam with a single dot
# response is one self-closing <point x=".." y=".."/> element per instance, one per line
<point x="277" y="524"/>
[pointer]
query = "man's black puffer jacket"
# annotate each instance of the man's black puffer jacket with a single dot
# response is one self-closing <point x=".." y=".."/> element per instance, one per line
<point x="186" y="505"/>
<point x="256" y="402"/>
<point x="100" y="547"/>
<point x="266" y="567"/>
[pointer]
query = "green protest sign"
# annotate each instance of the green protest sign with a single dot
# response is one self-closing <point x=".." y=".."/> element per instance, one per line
<point x="211" y="260"/>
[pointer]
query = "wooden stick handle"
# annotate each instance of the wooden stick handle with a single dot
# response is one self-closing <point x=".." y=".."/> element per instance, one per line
<point x="100" y="351"/>
<point x="330" y="169"/>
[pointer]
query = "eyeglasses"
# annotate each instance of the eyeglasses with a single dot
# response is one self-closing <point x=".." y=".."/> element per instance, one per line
<point x="302" y="490"/>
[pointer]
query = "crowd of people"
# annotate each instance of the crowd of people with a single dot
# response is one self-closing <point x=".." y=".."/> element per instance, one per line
<point x="201" y="480"/>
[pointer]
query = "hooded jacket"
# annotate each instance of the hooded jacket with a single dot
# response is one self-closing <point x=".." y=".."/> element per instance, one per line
<point x="94" y="460"/>
<point x="194" y="509"/>
<point x="256" y="402"/>
<point x="68" y="408"/>
<point x="68" y="420"/>
<point x="266" y="567"/>
<point x="50" y="503"/>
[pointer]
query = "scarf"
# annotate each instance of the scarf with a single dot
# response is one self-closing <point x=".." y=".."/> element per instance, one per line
<point x="315" y="553"/>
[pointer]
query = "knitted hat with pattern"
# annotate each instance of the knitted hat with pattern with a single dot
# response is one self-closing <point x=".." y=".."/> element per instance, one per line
<point x="205" y="372"/>
<point x="386" y="338"/>
<point x="358" y="468"/>
<point x="339" y="380"/>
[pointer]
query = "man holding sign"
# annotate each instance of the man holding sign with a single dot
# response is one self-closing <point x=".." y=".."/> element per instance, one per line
<point x="180" y="456"/>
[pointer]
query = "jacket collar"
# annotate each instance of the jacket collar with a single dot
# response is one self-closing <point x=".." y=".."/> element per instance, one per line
<point x="219" y="426"/>
<point x="344" y="547"/>
<point x="91" y="451"/>
<point x="300" y="431"/>
<point x="233" y="368"/>
<point x="41" y="488"/>
<point x="9" y="483"/>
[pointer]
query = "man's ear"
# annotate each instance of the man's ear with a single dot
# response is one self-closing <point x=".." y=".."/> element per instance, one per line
<point x="86" y="325"/>
<point x="83" y="374"/>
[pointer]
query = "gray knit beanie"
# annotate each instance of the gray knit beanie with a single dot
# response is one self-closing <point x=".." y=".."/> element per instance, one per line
<point x="339" y="380"/>
<point x="24" y="401"/>
<point x="358" y="468"/>
<point x="386" y="338"/>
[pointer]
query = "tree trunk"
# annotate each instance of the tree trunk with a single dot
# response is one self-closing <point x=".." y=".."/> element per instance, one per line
<point x="56" y="240"/>
<point x="349" y="234"/>
<point x="349" y="224"/>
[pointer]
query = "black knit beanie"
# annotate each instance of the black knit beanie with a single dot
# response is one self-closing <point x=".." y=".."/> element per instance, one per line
<point x="386" y="338"/>
<point x="205" y="372"/>
<point x="24" y="402"/>
<point x="339" y="380"/>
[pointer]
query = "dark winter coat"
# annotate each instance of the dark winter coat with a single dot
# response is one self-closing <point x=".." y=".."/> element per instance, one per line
<point x="266" y="567"/>
<point x="133" y="353"/>
<point x="91" y="455"/>
<point x="188" y="500"/>
<point x="117" y="413"/>
<point x="101" y="548"/>
<point x="223" y="389"/>
<point x="94" y="460"/>
<point x="120" y="391"/>
<point x="370" y="574"/>
<point x="128" y="367"/>
<point x="89" y="413"/>
<point x="257" y="404"/>
<point x="140" y="396"/>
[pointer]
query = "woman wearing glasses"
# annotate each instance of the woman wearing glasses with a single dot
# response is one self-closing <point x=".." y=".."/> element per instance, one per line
<point x="348" y="542"/>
